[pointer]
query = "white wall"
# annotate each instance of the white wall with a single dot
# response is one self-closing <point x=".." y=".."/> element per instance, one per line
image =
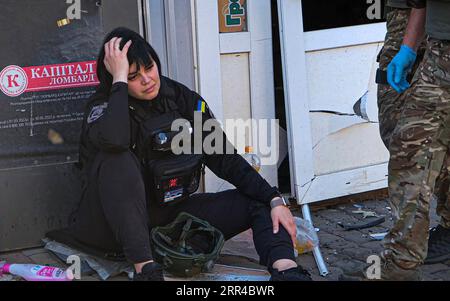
<point x="337" y="79"/>
<point x="334" y="151"/>
<point x="230" y="60"/>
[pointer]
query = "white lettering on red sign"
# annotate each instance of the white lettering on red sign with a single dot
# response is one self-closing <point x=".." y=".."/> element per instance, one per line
<point x="16" y="80"/>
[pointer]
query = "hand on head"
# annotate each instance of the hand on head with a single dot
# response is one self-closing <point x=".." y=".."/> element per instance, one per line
<point x="116" y="61"/>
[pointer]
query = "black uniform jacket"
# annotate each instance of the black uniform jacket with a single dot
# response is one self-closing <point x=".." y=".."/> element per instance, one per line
<point x="110" y="125"/>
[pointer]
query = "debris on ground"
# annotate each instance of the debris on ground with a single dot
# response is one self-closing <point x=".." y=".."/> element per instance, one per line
<point x="378" y="236"/>
<point x="363" y="225"/>
<point x="365" y="213"/>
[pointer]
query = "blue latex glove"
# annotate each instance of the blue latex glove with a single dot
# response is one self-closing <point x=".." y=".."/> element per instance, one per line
<point x="399" y="68"/>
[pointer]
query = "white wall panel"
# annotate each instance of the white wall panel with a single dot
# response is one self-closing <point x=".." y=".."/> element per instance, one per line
<point x="236" y="101"/>
<point x="338" y="78"/>
<point x="213" y="49"/>
<point x="349" y="148"/>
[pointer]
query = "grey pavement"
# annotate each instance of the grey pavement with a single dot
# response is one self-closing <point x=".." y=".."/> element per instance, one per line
<point x="340" y="248"/>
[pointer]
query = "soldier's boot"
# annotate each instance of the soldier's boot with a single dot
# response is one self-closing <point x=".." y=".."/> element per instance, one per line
<point x="438" y="245"/>
<point x="388" y="272"/>
<point x="357" y="271"/>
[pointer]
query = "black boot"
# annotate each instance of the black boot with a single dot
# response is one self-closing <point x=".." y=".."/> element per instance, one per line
<point x="355" y="271"/>
<point x="388" y="272"/>
<point x="438" y="245"/>
<point x="293" y="274"/>
<point x="150" y="272"/>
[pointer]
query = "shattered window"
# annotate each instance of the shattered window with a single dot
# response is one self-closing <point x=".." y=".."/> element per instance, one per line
<point x="326" y="14"/>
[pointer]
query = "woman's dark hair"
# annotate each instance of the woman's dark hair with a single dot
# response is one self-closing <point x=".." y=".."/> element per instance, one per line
<point x="140" y="52"/>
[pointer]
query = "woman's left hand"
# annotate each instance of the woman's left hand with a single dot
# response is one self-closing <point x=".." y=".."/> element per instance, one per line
<point x="282" y="215"/>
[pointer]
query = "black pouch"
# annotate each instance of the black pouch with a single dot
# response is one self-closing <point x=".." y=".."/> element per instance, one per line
<point x="381" y="77"/>
<point x="174" y="178"/>
<point x="170" y="178"/>
<point x="379" y="54"/>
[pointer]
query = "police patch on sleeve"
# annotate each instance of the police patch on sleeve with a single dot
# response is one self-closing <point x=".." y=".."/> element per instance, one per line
<point x="97" y="112"/>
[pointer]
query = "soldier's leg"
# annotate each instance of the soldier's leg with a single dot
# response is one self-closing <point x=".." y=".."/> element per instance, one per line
<point x="441" y="74"/>
<point x="442" y="195"/>
<point x="418" y="151"/>
<point x="439" y="239"/>
<point x="390" y="103"/>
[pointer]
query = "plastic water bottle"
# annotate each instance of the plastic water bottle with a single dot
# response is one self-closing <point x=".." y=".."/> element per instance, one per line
<point x="252" y="158"/>
<point x="32" y="272"/>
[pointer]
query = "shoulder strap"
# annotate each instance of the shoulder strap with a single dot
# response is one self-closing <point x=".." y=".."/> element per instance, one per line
<point x="137" y="113"/>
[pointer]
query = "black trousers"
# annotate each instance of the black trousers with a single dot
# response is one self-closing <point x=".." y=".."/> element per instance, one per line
<point x="114" y="214"/>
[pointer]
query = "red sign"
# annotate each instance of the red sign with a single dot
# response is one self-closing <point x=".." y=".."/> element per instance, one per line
<point x="15" y="80"/>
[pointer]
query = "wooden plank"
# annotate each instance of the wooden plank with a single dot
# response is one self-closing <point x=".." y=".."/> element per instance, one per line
<point x="296" y="95"/>
<point x="345" y="183"/>
<point x="354" y="198"/>
<point x="344" y="36"/>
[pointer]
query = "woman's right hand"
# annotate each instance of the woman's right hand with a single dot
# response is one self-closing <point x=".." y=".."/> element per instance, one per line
<point x="116" y="61"/>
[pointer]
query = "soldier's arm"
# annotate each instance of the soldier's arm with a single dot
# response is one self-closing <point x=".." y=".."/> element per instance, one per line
<point x="108" y="121"/>
<point x="415" y="32"/>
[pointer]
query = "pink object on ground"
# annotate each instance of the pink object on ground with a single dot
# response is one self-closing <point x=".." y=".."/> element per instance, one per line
<point x="33" y="272"/>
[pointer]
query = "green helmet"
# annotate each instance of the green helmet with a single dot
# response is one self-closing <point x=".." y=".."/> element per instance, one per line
<point x="187" y="246"/>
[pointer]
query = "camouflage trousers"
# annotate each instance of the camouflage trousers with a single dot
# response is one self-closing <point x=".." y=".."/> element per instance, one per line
<point x="419" y="155"/>
<point x="390" y="103"/>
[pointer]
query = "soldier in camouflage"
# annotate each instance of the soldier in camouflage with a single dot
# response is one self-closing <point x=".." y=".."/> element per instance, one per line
<point x="419" y="148"/>
<point x="390" y="103"/>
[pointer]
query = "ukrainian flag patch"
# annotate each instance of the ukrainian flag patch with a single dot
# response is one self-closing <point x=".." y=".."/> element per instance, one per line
<point x="201" y="106"/>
